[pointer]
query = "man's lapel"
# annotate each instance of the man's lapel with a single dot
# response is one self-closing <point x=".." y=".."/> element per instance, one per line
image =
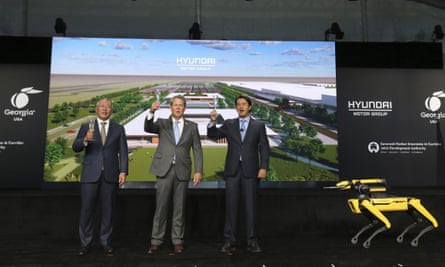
<point x="185" y="130"/>
<point x="237" y="129"/>
<point x="170" y="131"/>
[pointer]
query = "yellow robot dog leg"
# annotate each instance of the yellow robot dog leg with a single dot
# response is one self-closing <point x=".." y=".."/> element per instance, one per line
<point x="416" y="206"/>
<point x="354" y="205"/>
<point x="354" y="239"/>
<point x="379" y="216"/>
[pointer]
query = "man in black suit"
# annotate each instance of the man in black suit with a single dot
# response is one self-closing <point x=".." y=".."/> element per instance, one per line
<point x="247" y="161"/>
<point x="172" y="166"/>
<point x="104" y="168"/>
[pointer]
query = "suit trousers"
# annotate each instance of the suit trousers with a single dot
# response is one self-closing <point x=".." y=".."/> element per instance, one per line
<point x="169" y="188"/>
<point x="89" y="192"/>
<point x="245" y="188"/>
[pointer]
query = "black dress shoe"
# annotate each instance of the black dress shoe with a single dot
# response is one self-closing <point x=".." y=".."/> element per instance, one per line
<point x="179" y="248"/>
<point x="228" y="247"/>
<point x="84" y="250"/>
<point x="154" y="249"/>
<point x="108" y="250"/>
<point x="254" y="247"/>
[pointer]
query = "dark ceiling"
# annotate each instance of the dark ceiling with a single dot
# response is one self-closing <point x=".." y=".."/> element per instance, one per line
<point x="435" y="3"/>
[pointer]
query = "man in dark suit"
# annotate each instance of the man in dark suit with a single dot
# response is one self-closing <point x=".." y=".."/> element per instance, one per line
<point x="247" y="161"/>
<point x="104" y="168"/>
<point x="172" y="166"/>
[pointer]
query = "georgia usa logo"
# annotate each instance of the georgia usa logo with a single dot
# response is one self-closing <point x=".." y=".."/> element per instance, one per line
<point x="433" y="104"/>
<point x="19" y="101"/>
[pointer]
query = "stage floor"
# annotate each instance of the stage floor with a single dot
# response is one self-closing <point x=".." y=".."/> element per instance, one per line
<point x="297" y="229"/>
<point x="310" y="251"/>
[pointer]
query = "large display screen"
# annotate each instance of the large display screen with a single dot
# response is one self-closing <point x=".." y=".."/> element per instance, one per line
<point x="292" y="85"/>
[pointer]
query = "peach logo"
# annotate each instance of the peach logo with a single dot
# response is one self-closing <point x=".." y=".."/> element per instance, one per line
<point x="433" y="102"/>
<point x="21" y="99"/>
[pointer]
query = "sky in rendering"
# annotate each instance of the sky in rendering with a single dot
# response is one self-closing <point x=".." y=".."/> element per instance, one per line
<point x="112" y="56"/>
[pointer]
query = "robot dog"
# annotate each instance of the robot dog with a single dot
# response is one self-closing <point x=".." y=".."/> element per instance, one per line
<point x="373" y="201"/>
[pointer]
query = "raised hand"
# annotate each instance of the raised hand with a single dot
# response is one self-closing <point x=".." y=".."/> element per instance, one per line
<point x="155" y="106"/>
<point x="213" y="115"/>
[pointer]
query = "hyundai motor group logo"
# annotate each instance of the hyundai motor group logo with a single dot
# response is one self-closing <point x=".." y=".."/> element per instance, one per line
<point x="196" y="63"/>
<point x="369" y="108"/>
<point x="19" y="101"/>
<point x="433" y="104"/>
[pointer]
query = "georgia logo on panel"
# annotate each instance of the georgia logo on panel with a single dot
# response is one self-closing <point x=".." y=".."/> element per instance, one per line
<point x="21" y="99"/>
<point x="433" y="103"/>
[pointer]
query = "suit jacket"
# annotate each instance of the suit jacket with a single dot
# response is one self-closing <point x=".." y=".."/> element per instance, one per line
<point x="113" y="155"/>
<point x="254" y="150"/>
<point x="167" y="148"/>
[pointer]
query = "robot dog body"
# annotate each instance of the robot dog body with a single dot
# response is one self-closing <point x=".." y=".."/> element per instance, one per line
<point x="373" y="202"/>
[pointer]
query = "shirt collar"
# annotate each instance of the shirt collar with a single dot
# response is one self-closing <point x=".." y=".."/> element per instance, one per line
<point x="246" y="119"/>
<point x="106" y="121"/>
<point x="181" y="120"/>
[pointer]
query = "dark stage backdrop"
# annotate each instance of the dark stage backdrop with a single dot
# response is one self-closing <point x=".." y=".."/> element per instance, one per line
<point x="391" y="124"/>
<point x="24" y="68"/>
<point x="390" y="112"/>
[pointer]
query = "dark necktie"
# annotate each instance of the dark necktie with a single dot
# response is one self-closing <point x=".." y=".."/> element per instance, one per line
<point x="243" y="129"/>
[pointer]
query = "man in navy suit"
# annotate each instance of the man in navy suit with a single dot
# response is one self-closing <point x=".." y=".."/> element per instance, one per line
<point x="172" y="166"/>
<point x="104" y="168"/>
<point x="247" y="161"/>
